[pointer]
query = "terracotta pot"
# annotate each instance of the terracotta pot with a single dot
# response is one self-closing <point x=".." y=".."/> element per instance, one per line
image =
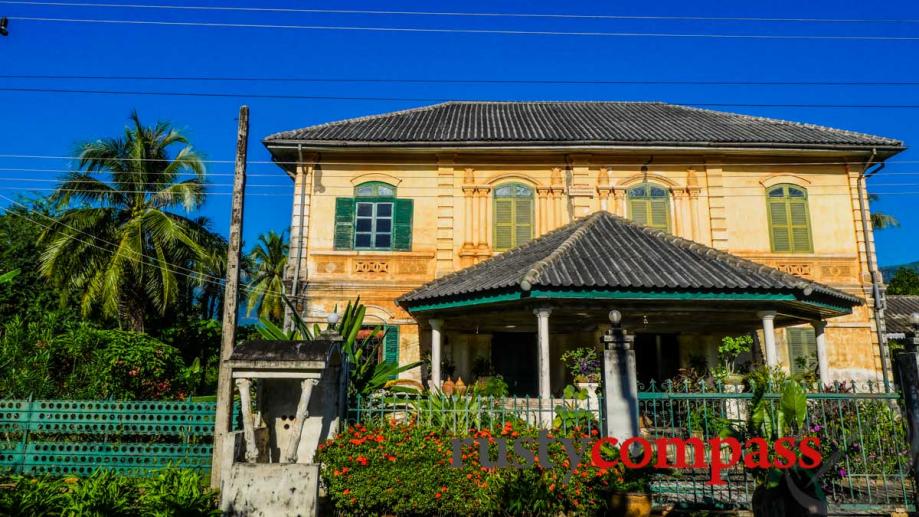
<point x="629" y="504"/>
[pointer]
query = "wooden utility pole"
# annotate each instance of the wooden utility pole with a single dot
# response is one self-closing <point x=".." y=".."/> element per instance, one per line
<point x="230" y="298"/>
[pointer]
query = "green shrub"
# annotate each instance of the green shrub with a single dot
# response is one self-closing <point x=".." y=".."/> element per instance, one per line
<point x="104" y="494"/>
<point x="170" y="493"/>
<point x="178" y="493"/>
<point x="52" y="357"/>
<point x="38" y="497"/>
<point x="404" y="469"/>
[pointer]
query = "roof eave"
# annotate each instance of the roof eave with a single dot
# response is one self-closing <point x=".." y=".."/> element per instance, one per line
<point x="883" y="150"/>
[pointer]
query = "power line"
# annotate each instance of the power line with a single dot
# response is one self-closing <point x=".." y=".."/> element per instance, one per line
<point x="465" y="14"/>
<point x="412" y="188"/>
<point x="760" y="194"/>
<point x="426" y="99"/>
<point x="558" y="163"/>
<point x="371" y="80"/>
<point x="786" y="37"/>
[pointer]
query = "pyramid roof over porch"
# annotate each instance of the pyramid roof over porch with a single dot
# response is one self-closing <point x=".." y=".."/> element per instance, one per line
<point x="604" y="256"/>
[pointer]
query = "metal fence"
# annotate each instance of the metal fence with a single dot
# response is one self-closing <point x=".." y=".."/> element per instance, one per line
<point x="865" y="424"/>
<point x="75" y="437"/>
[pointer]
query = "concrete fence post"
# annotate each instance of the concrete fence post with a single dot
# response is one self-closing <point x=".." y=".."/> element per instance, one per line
<point x="620" y="385"/>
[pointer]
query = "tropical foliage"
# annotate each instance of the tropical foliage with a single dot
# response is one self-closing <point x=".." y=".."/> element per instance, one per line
<point x="880" y="220"/>
<point x="119" y="238"/>
<point x="904" y="281"/>
<point x="172" y="492"/>
<point x="55" y="357"/>
<point x="266" y="276"/>
<point x="367" y="372"/>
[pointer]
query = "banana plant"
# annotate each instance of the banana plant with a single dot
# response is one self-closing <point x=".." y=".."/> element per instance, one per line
<point x="8" y="277"/>
<point x="367" y="374"/>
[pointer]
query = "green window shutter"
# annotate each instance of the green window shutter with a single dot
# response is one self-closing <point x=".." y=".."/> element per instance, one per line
<point x="639" y="209"/>
<point x="800" y="227"/>
<point x="802" y="346"/>
<point x="778" y="225"/>
<point x="523" y="219"/>
<point x="391" y="345"/>
<point x="660" y="215"/>
<point x="504" y="223"/>
<point x="344" y="223"/>
<point x="402" y="224"/>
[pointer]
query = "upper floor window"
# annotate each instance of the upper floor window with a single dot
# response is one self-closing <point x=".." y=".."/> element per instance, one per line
<point x="374" y="219"/>
<point x="789" y="220"/>
<point x="649" y="205"/>
<point x="513" y="215"/>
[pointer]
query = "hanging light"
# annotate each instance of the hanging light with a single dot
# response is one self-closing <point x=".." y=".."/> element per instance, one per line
<point x="4" y="23"/>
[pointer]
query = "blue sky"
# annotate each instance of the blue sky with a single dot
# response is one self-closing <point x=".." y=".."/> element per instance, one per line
<point x="52" y="124"/>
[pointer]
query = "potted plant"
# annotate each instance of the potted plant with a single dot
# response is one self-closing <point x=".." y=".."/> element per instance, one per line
<point x="779" y="491"/>
<point x="584" y="366"/>
<point x="629" y="490"/>
<point x="728" y="352"/>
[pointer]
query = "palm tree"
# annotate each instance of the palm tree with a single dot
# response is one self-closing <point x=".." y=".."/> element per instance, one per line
<point x="880" y="220"/>
<point x="266" y="280"/>
<point x="118" y="237"/>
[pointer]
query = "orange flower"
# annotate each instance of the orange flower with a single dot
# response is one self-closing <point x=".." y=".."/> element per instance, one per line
<point x="347" y="491"/>
<point x="362" y="460"/>
<point x="552" y="487"/>
<point x="437" y="495"/>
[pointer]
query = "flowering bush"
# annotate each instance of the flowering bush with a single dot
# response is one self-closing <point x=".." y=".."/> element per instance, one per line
<point x="406" y="469"/>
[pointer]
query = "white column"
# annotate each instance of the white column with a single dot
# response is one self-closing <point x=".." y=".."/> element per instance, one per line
<point x="768" y="317"/>
<point x="823" y="362"/>
<point x="245" y="407"/>
<point x="436" y="341"/>
<point x="542" y="338"/>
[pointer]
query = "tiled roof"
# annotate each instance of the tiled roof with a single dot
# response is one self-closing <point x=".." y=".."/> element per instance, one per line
<point x="575" y="123"/>
<point x="899" y="307"/>
<point x="607" y="252"/>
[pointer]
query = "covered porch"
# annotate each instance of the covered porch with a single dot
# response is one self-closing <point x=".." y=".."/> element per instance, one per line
<point x="516" y="314"/>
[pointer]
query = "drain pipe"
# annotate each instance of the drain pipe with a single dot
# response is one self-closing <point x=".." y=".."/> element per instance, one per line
<point x="295" y="284"/>
<point x="876" y="280"/>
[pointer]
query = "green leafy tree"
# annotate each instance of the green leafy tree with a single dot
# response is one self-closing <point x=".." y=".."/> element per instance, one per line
<point x="118" y="237"/>
<point x="266" y="283"/>
<point x="904" y="281"/>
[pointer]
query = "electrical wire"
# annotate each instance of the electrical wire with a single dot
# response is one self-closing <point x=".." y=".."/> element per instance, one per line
<point x="351" y="28"/>
<point x="460" y="14"/>
<point x="279" y="96"/>
<point x="454" y="81"/>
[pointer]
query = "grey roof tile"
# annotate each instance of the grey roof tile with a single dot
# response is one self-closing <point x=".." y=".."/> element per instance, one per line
<point x="605" y="251"/>
<point x="462" y="123"/>
<point x="899" y="308"/>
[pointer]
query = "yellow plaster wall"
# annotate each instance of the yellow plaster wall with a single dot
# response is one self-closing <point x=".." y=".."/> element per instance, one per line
<point x="715" y="200"/>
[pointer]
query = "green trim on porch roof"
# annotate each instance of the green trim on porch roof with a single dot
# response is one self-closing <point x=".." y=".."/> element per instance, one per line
<point x="596" y="294"/>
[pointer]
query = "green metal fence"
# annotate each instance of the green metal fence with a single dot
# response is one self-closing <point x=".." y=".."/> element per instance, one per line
<point x="75" y="437"/>
<point x="459" y="413"/>
<point x="865" y="424"/>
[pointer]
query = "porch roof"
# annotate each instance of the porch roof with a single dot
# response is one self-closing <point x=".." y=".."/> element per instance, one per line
<point x="604" y="256"/>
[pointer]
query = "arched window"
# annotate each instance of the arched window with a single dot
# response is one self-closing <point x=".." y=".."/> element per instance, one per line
<point x="789" y="220"/>
<point x="649" y="205"/>
<point x="374" y="219"/>
<point x="513" y="215"/>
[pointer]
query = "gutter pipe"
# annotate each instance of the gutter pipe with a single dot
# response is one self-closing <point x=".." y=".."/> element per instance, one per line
<point x="876" y="281"/>
<point x="295" y="284"/>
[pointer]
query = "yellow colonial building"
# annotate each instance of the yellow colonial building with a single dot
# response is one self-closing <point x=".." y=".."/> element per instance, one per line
<point x="712" y="224"/>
